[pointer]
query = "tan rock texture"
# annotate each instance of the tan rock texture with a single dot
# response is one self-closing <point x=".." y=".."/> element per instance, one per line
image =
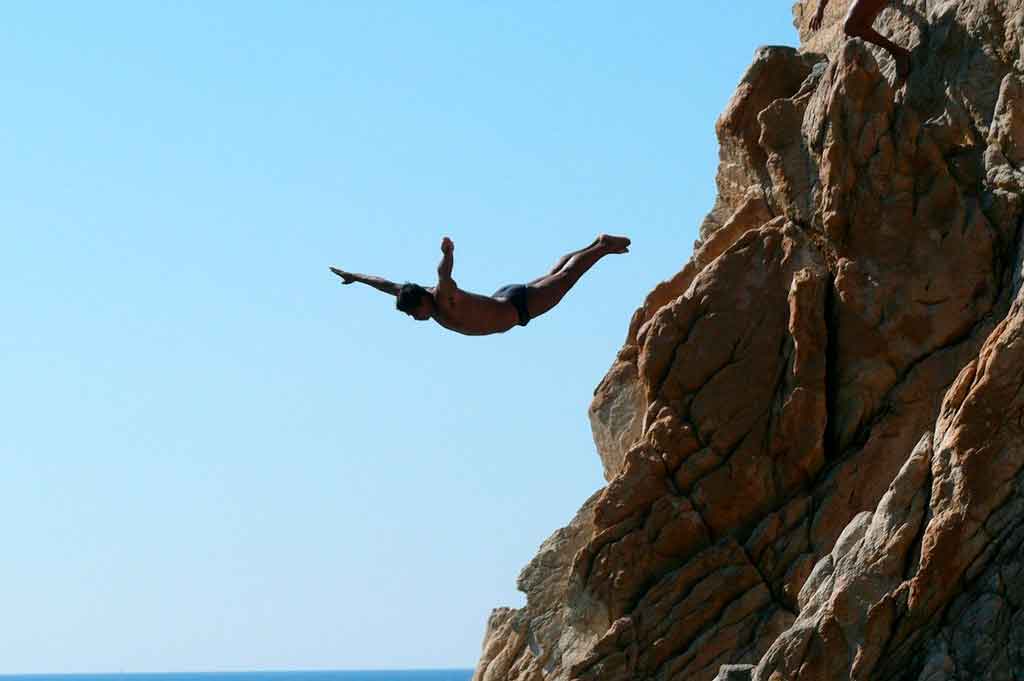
<point x="814" y="434"/>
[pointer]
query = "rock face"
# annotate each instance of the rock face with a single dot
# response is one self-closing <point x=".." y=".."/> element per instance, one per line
<point x="814" y="433"/>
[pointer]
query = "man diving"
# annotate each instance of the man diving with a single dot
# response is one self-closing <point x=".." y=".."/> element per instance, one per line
<point x="858" y="24"/>
<point x="476" y="315"/>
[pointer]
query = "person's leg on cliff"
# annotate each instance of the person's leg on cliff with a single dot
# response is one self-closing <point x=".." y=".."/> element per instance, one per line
<point x="859" y="23"/>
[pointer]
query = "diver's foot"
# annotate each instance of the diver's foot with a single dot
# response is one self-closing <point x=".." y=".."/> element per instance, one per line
<point x="902" y="60"/>
<point x="614" y="244"/>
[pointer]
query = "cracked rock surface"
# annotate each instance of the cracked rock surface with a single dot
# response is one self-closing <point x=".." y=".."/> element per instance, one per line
<point x="813" y="435"/>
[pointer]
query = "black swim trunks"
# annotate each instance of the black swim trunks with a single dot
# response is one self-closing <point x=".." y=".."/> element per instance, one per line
<point x="515" y="294"/>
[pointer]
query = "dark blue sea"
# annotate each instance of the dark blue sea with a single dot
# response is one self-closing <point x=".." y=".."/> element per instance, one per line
<point x="404" y="675"/>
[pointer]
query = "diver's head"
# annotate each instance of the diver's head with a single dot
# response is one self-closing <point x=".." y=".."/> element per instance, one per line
<point x="415" y="301"/>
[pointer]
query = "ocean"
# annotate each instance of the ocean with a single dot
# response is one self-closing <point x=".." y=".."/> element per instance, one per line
<point x="402" y="675"/>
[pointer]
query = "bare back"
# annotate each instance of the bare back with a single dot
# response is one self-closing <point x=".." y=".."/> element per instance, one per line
<point x="473" y="314"/>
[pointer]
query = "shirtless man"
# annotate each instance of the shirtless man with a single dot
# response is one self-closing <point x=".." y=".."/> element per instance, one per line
<point x="476" y="315"/>
<point x="858" y="24"/>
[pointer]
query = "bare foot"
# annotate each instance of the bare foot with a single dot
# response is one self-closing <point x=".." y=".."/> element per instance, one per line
<point x="614" y="244"/>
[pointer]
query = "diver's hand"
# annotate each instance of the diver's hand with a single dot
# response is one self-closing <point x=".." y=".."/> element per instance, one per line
<point x="447" y="247"/>
<point x="346" y="277"/>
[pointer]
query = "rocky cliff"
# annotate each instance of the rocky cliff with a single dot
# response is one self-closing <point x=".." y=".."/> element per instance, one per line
<point x="814" y="433"/>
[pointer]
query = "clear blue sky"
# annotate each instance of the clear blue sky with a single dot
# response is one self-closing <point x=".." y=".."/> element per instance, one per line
<point x="214" y="456"/>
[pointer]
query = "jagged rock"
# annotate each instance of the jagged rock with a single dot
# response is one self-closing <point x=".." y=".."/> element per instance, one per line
<point x="616" y="413"/>
<point x="559" y="623"/>
<point x="776" y="73"/>
<point x="735" y="672"/>
<point x="814" y="433"/>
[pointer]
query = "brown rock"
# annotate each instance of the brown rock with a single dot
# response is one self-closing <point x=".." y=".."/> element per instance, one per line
<point x="616" y="413"/>
<point x="559" y="622"/>
<point x="814" y="433"/>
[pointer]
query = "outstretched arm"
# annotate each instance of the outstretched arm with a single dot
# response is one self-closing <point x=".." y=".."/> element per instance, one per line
<point x="378" y="283"/>
<point x="816" y="19"/>
<point x="445" y="284"/>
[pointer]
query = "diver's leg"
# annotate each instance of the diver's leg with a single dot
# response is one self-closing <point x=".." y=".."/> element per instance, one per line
<point x="548" y="291"/>
<point x="561" y="263"/>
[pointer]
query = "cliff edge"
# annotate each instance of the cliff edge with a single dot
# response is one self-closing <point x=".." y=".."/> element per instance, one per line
<point x="813" y="435"/>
